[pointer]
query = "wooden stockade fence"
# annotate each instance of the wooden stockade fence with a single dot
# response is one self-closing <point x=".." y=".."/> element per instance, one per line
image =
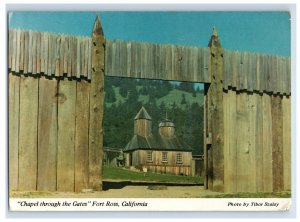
<point x="56" y="108"/>
<point x="64" y="55"/>
<point x="247" y="112"/>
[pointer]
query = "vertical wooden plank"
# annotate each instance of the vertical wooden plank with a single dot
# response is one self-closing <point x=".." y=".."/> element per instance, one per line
<point x="49" y="61"/>
<point x="86" y="57"/>
<point x="267" y="144"/>
<point x="61" y="55"/>
<point x="232" y="143"/>
<point x="252" y="132"/>
<point x="282" y="73"/>
<point x="66" y="135"/>
<point x="201" y="64"/>
<point x="14" y="50"/>
<point x="74" y="57"/>
<point x="251" y="72"/>
<point x="286" y="129"/>
<point x="28" y="133"/>
<point x="30" y="51"/>
<point x="66" y="54"/>
<point x="168" y="61"/>
<point x="96" y="108"/>
<point x="256" y="85"/>
<point x="235" y="64"/>
<point x="259" y="144"/>
<point x="34" y="51"/>
<point x="10" y="47"/>
<point x="46" y="49"/>
<point x="18" y="44"/>
<point x="42" y="52"/>
<point x="47" y="135"/>
<point x="57" y="56"/>
<point x="78" y="57"/>
<point x="14" y="112"/>
<point x="38" y="52"/>
<point x="138" y="60"/>
<point x="26" y="51"/>
<point x="262" y="74"/>
<point x="69" y="55"/>
<point x="277" y="141"/>
<point x="82" y="57"/>
<point x="226" y="71"/>
<point x="242" y="155"/>
<point x="90" y="59"/>
<point x="227" y="164"/>
<point x="82" y="136"/>
<point x="22" y="51"/>
<point x="288" y="63"/>
<point x="55" y="51"/>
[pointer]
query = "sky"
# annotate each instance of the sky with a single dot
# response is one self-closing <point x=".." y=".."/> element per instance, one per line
<point x="261" y="32"/>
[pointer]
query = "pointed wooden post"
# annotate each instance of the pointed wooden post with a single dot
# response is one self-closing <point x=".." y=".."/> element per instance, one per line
<point x="215" y="125"/>
<point x="96" y="108"/>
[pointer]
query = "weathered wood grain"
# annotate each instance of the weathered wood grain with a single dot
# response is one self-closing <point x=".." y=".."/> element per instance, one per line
<point x="49" y="56"/>
<point x="14" y="50"/>
<point x="232" y="137"/>
<point x="82" y="136"/>
<point x="66" y="135"/>
<point x="227" y="163"/>
<point x="259" y="161"/>
<point x="47" y="135"/>
<point x="78" y="57"/>
<point x="242" y="156"/>
<point x="33" y="51"/>
<point x="267" y="144"/>
<point x="18" y="44"/>
<point x="10" y="46"/>
<point x="277" y="142"/>
<point x="13" y="136"/>
<point x="61" y="55"/>
<point x="46" y="49"/>
<point x="69" y="56"/>
<point x="286" y="129"/>
<point x="66" y="54"/>
<point x="58" y="60"/>
<point x="252" y="133"/>
<point x="30" y="51"/>
<point x="96" y="108"/>
<point x="216" y="111"/>
<point x="38" y="52"/>
<point x="22" y="43"/>
<point x="28" y="133"/>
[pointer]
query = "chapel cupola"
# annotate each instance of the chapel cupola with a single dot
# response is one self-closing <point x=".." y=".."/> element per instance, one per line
<point x="166" y="128"/>
<point x="143" y="123"/>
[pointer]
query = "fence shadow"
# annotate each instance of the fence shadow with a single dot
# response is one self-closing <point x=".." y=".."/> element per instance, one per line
<point x="107" y="185"/>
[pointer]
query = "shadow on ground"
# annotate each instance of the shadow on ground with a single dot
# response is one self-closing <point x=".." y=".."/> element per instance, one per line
<point x="107" y="185"/>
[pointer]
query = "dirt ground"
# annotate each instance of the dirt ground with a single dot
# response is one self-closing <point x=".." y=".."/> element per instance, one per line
<point x="131" y="191"/>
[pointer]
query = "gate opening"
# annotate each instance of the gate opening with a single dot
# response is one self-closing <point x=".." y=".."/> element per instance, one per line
<point x="153" y="130"/>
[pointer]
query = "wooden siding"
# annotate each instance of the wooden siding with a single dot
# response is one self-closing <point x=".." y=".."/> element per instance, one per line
<point x="257" y="72"/>
<point x="50" y="92"/>
<point x="139" y="159"/>
<point x="42" y="138"/>
<point x="257" y="155"/>
<point x="59" y="55"/>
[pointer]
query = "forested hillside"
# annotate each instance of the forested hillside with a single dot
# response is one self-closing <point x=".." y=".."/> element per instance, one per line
<point x="181" y="102"/>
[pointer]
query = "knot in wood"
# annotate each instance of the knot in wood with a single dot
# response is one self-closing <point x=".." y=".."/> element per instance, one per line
<point x="95" y="108"/>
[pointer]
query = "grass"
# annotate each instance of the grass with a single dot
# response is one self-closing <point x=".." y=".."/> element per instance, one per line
<point x="251" y="195"/>
<point x="175" y="95"/>
<point x="29" y="194"/>
<point x="117" y="173"/>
